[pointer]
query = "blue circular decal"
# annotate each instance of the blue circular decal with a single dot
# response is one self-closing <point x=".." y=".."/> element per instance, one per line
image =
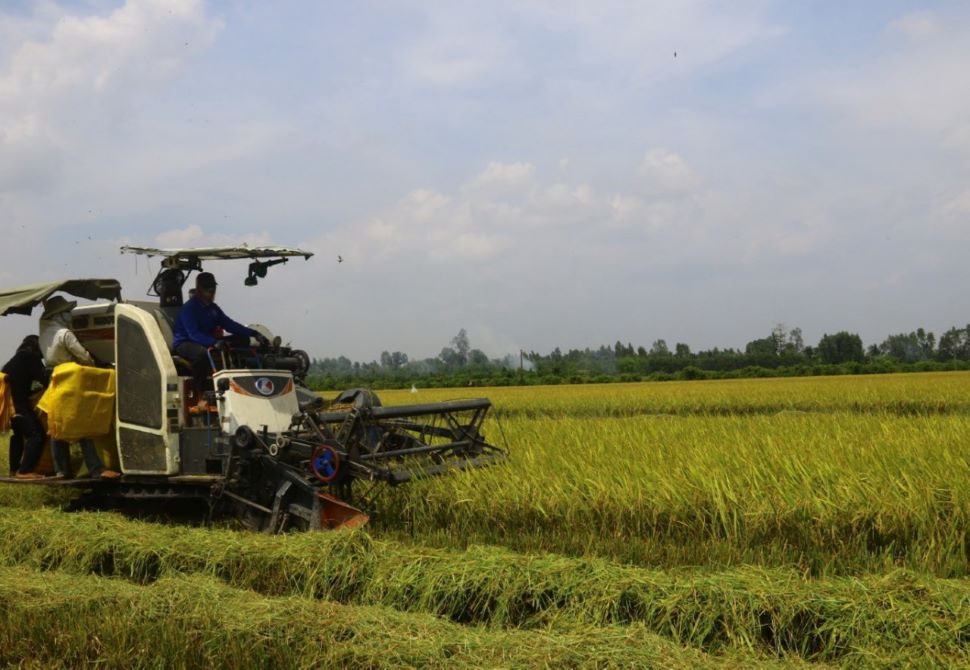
<point x="265" y="386"/>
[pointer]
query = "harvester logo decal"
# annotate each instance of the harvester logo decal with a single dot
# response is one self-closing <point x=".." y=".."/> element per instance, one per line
<point x="261" y="387"/>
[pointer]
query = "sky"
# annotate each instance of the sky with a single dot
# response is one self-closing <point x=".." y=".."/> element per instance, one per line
<point x="540" y="174"/>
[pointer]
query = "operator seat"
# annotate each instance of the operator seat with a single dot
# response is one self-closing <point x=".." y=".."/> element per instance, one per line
<point x="168" y="286"/>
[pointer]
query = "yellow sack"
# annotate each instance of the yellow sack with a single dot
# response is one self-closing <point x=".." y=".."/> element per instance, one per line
<point x="80" y="402"/>
<point x="107" y="451"/>
<point x="6" y="404"/>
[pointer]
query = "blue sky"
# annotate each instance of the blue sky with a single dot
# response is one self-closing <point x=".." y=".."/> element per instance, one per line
<point x="542" y="174"/>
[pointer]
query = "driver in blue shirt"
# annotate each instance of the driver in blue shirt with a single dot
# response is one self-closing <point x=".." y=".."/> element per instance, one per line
<point x="199" y="326"/>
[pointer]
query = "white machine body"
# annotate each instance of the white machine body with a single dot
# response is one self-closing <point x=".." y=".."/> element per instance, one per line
<point x="259" y="399"/>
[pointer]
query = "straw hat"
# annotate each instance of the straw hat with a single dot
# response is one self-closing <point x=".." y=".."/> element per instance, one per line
<point x="56" y="305"/>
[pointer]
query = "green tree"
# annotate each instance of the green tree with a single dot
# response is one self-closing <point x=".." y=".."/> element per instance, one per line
<point x="778" y="338"/>
<point x="842" y="347"/>
<point x="796" y="343"/>
<point x="461" y="346"/>
<point x="450" y="358"/>
<point x="909" y="347"/>
<point x="954" y="344"/>
<point x="766" y="347"/>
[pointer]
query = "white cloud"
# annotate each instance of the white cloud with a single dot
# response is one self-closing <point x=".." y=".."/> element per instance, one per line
<point x="181" y="237"/>
<point x="643" y="36"/>
<point x="380" y="231"/>
<point x="626" y="206"/>
<point x="912" y="86"/>
<point x="958" y="138"/>
<point x="464" y="45"/>
<point x="916" y="26"/>
<point x="665" y="172"/>
<point x="461" y="247"/>
<point x="454" y="54"/>
<point x="424" y="226"/>
<point x="61" y="93"/>
<point x="949" y="217"/>
<point x="195" y="236"/>
<point x="424" y="204"/>
<point x="508" y="207"/>
<point x="959" y="205"/>
<point x="503" y="179"/>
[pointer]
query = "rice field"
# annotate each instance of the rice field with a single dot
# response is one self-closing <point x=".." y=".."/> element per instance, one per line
<point x="738" y="523"/>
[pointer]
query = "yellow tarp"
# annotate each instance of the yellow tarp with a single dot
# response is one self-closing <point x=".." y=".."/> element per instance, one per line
<point x="80" y="402"/>
<point x="6" y="404"/>
<point x="104" y="445"/>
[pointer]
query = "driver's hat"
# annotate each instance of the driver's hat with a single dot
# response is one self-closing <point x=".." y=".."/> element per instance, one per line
<point x="57" y="305"/>
<point x="205" y="280"/>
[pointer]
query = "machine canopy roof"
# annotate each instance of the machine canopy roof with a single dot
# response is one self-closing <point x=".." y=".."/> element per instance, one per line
<point x="23" y="300"/>
<point x="218" y="253"/>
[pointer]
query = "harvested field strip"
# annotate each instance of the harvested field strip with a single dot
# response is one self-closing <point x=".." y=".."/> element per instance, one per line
<point x="898" y="394"/>
<point x="776" y="611"/>
<point x="66" y="620"/>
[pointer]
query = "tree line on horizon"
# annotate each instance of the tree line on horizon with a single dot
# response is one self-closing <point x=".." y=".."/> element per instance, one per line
<point x="782" y="353"/>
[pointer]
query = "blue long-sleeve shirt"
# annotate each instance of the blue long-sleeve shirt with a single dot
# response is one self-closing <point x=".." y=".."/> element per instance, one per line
<point x="197" y="322"/>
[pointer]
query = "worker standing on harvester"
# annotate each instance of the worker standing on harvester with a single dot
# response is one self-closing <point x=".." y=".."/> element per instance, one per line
<point x="25" y="372"/>
<point x="199" y="326"/>
<point x="60" y="345"/>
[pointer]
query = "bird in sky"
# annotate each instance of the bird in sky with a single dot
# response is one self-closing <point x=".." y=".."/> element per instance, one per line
<point x="340" y="259"/>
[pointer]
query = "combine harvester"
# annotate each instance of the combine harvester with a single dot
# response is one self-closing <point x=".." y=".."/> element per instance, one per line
<point x="266" y="449"/>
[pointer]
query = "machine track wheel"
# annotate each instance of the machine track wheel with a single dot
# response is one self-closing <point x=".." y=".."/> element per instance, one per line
<point x="325" y="463"/>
